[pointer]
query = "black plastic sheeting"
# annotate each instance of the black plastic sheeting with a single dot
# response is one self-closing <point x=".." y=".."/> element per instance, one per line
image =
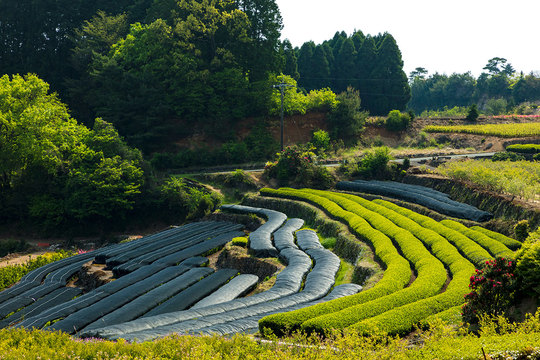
<point x="173" y="255"/>
<point x="56" y="297"/>
<point x="151" y="299"/>
<point x="260" y="240"/>
<point x="284" y="236"/>
<point x="231" y="317"/>
<point x="150" y="252"/>
<point x="79" y="319"/>
<point x="308" y="239"/>
<point x="65" y="309"/>
<point x="35" y="278"/>
<point x="427" y="197"/>
<point x="194" y="293"/>
<point x="237" y="287"/>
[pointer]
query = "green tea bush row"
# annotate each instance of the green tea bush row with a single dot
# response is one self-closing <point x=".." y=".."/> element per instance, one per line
<point x="402" y="320"/>
<point x="431" y="272"/>
<point x="451" y="316"/>
<point x="469" y="248"/>
<point x="524" y="148"/>
<point x="396" y="275"/>
<point x="493" y="246"/>
<point x="509" y="242"/>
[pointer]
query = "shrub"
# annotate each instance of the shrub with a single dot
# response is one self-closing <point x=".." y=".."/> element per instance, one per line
<point x="536" y="157"/>
<point x="374" y="164"/>
<point x="346" y="120"/>
<point x="239" y="179"/>
<point x="493" y="290"/>
<point x="397" y="121"/>
<point x="240" y="241"/>
<point x="524" y="148"/>
<point x="507" y="156"/>
<point x="521" y="230"/>
<point x="11" y="246"/>
<point x="322" y="100"/>
<point x="472" y="113"/>
<point x="295" y="166"/>
<point x="321" y="141"/>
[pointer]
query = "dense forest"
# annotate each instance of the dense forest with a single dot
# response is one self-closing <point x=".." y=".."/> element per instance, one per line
<point x="160" y="71"/>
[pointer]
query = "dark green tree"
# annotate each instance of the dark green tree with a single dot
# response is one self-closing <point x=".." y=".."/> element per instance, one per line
<point x="344" y="66"/>
<point x="346" y="120"/>
<point x="472" y="114"/>
<point x="290" y="66"/>
<point x="390" y="81"/>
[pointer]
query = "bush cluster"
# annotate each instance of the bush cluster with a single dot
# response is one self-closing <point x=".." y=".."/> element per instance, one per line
<point x="398" y="121"/>
<point x="493" y="289"/>
<point x="296" y="166"/>
<point x="507" y="156"/>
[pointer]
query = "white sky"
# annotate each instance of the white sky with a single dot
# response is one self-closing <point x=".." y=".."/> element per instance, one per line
<point x="441" y="36"/>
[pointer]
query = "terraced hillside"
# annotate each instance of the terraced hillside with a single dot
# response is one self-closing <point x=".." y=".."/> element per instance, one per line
<point x="427" y="266"/>
<point x="164" y="285"/>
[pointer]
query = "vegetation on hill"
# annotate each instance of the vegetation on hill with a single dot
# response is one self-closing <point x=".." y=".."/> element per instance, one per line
<point x="59" y="175"/>
<point x="500" y="130"/>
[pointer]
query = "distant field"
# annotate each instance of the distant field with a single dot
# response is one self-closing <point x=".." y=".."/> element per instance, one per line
<point x="501" y="130"/>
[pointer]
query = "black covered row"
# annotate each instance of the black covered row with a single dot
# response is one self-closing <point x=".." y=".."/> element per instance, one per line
<point x="260" y="240"/>
<point x="427" y="197"/>
<point x="230" y="316"/>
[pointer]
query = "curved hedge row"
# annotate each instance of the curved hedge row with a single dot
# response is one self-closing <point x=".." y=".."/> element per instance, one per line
<point x="431" y="274"/>
<point x="493" y="246"/>
<point x="524" y="148"/>
<point x="468" y="247"/>
<point x="396" y="276"/>
<point x="392" y="314"/>
<point x="509" y="242"/>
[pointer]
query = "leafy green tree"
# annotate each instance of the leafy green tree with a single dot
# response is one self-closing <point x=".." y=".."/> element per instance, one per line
<point x="347" y="120"/>
<point x="56" y="171"/>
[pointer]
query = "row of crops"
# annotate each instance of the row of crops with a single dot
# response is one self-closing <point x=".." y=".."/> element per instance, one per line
<point x="164" y="284"/>
<point x="500" y="130"/>
<point x="409" y="245"/>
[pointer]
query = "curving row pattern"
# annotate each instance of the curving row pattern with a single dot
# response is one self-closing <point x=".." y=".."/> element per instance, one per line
<point x="242" y="314"/>
<point x="421" y="195"/>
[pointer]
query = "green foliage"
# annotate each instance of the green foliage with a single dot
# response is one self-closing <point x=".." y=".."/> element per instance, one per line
<point x="11" y="274"/>
<point x="239" y="179"/>
<point x="321" y="141"/>
<point x="524" y="148"/>
<point x="56" y="171"/>
<point x="528" y="265"/>
<point x="295" y="166"/>
<point x="456" y="111"/>
<point x="240" y="241"/>
<point x="397" y="121"/>
<point x="509" y="242"/>
<point x="507" y="156"/>
<point x="493" y="290"/>
<point x="179" y="199"/>
<point x="472" y="113"/>
<point x="496" y="107"/>
<point x="346" y="120"/>
<point x="521" y="230"/>
<point x="374" y="164"/>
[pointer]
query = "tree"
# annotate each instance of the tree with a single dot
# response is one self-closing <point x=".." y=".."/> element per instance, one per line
<point x="347" y="120"/>
<point x="472" y="114"/>
<point x="56" y="171"/>
<point x="265" y="24"/>
<point x="390" y="81"/>
<point x="344" y="66"/>
<point x="419" y="73"/>
<point x="290" y="66"/>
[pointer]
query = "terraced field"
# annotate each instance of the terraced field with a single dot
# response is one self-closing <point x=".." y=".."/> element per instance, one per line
<point x="500" y="130"/>
<point x="406" y="243"/>
<point x="164" y="285"/>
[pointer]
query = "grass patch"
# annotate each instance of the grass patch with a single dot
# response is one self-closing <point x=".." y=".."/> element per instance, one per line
<point x="345" y="273"/>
